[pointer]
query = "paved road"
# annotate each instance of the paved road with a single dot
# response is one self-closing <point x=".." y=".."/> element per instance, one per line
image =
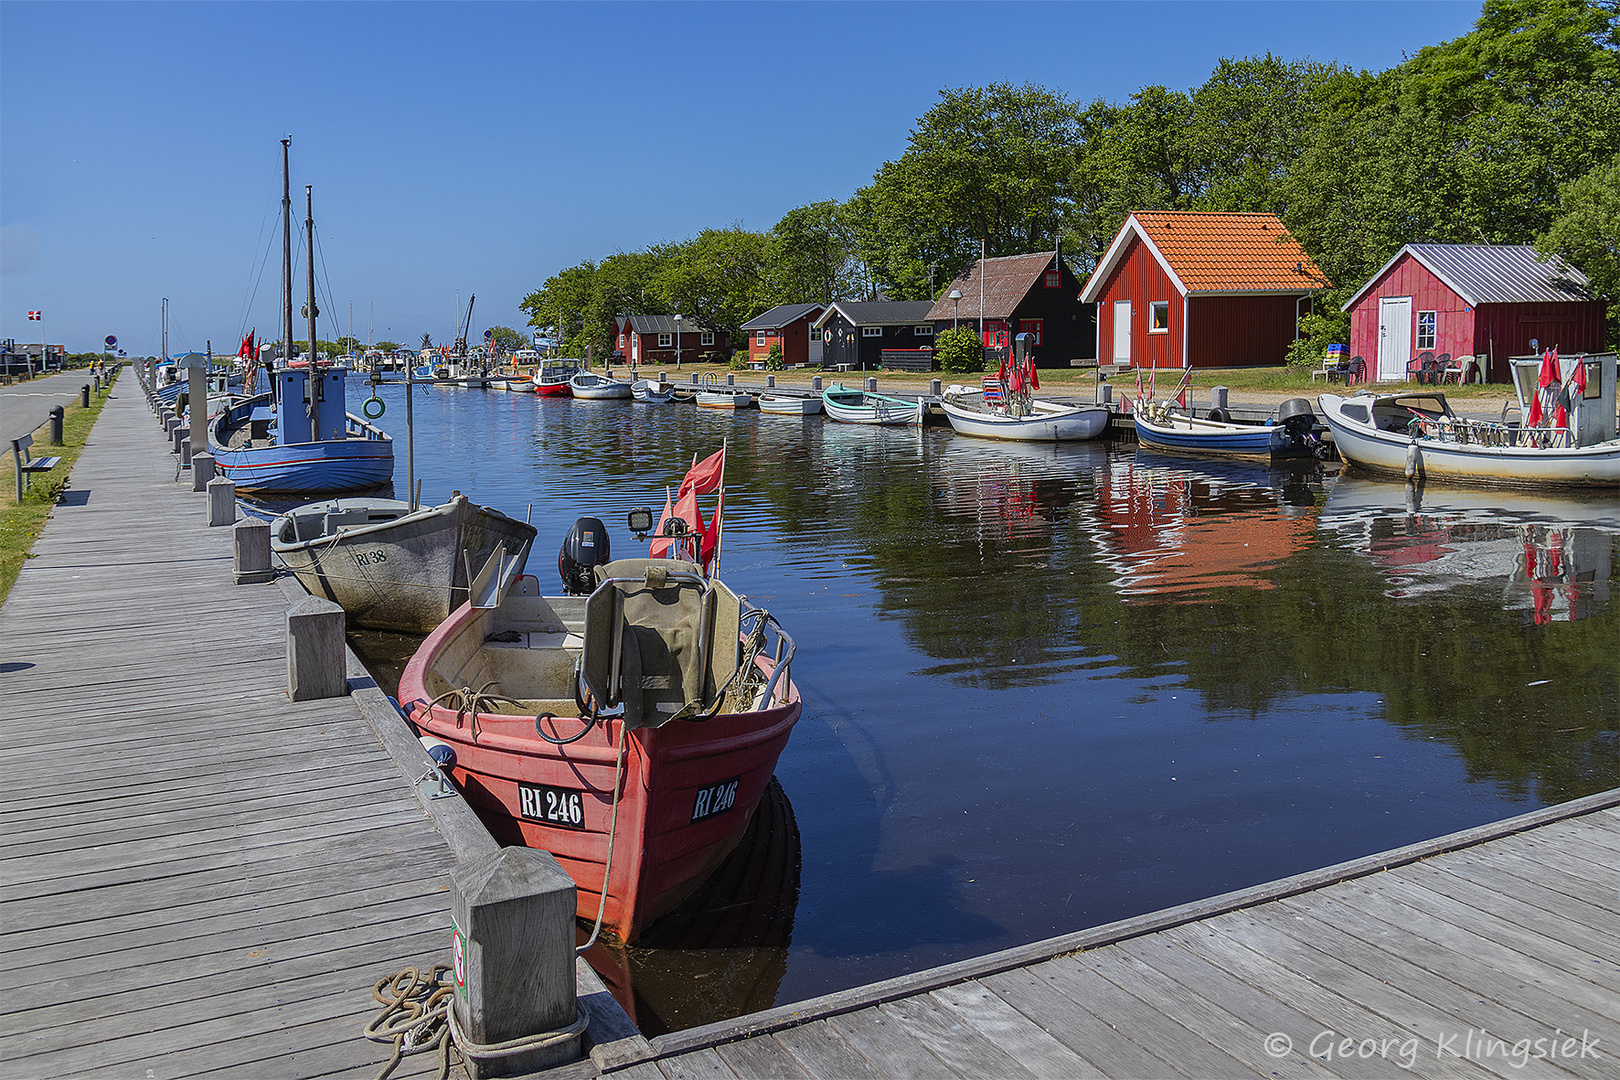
<point x="26" y="405"/>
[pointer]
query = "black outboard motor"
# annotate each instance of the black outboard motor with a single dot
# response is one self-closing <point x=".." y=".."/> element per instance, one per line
<point x="584" y="548"/>
<point x="1297" y="418"/>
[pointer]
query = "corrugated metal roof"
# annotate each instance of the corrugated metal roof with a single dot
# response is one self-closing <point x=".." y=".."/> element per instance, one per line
<point x="880" y="312"/>
<point x="665" y="324"/>
<point x="779" y="316"/>
<point x="1503" y="273"/>
<point x="1007" y="280"/>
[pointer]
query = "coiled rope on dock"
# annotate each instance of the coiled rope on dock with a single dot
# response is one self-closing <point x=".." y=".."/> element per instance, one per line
<point x="417" y="1017"/>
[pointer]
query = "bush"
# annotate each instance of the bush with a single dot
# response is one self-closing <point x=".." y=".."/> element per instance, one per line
<point x="959" y="351"/>
<point x="1316" y="333"/>
<point x="739" y="361"/>
<point x="773" y="359"/>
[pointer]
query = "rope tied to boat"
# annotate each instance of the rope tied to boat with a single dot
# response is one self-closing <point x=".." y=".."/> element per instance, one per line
<point x="468" y="700"/>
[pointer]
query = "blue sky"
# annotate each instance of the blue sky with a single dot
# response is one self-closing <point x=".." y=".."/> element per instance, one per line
<point x="481" y="147"/>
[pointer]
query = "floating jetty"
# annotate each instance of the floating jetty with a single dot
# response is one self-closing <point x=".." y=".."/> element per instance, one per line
<point x="204" y="876"/>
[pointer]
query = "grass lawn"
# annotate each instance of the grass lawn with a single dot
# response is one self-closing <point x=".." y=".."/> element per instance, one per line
<point x="20" y="524"/>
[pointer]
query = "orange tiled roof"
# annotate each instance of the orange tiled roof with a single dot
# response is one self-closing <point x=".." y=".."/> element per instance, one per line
<point x="1213" y="252"/>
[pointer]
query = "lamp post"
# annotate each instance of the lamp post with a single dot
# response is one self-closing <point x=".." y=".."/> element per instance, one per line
<point x="956" y="306"/>
<point x="677" y="343"/>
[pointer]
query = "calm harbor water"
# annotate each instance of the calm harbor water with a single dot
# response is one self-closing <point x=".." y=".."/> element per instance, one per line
<point x="1049" y="687"/>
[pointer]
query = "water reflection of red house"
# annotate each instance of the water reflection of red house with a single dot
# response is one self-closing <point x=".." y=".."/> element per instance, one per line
<point x="1173" y="534"/>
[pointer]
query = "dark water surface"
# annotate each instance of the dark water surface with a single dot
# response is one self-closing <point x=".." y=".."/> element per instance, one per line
<point x="1049" y="687"/>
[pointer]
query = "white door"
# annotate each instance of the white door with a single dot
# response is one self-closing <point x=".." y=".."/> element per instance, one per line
<point x="1394" y="337"/>
<point x="815" y="347"/>
<point x="1122" y="331"/>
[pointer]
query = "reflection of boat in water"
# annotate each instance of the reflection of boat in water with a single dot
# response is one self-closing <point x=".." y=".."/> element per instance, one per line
<point x="1551" y="555"/>
<point x="721" y="952"/>
<point x="1173" y="531"/>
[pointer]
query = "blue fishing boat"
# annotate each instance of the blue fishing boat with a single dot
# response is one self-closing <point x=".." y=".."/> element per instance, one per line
<point x="1287" y="434"/>
<point x="299" y="438"/>
<point x="308" y="444"/>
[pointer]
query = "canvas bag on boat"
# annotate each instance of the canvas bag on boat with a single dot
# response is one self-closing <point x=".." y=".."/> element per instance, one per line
<point x="648" y="644"/>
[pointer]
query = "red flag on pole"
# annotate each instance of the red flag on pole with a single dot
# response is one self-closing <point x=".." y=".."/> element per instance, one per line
<point x="247" y="346"/>
<point x="705" y="477"/>
<point x="35" y="316"/>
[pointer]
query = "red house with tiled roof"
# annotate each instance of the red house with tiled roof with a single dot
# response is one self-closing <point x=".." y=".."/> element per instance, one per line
<point x="1203" y="290"/>
<point x="1021" y="294"/>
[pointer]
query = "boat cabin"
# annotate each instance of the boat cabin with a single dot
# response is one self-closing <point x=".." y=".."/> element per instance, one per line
<point x="301" y="420"/>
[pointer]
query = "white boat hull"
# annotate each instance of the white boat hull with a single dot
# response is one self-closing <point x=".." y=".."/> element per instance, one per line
<point x="651" y="391"/>
<point x="784" y="405"/>
<point x="722" y="399"/>
<point x="1385" y="451"/>
<point x="589" y="387"/>
<point x="1048" y="422"/>
<point x="860" y="407"/>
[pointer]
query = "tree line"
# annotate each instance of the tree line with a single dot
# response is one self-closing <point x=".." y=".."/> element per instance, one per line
<point x="1509" y="134"/>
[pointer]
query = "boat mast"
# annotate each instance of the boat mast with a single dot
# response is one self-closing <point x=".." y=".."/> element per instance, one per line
<point x="309" y="223"/>
<point x="165" y="328"/>
<point x="286" y="269"/>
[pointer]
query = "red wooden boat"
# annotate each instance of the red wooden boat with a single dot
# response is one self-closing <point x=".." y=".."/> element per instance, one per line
<point x="661" y="675"/>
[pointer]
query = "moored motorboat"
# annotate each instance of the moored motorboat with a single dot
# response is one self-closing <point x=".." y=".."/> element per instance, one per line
<point x="647" y="671"/>
<point x="1288" y="434"/>
<point x="590" y="386"/>
<point x="789" y="404"/>
<point x="987" y="413"/>
<point x="1418" y="436"/>
<point x="391" y="567"/>
<point x="868" y="407"/>
<point x="551" y="378"/>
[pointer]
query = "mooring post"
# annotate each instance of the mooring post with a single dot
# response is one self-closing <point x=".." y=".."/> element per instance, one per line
<point x="1217" y="397"/>
<point x="815" y="383"/>
<point x="315" y="650"/>
<point x="202" y="470"/>
<point x="176" y="433"/>
<point x="185" y="453"/>
<point x="222" y="499"/>
<point x="251" y="541"/>
<point x="871" y="383"/>
<point x="770" y="381"/>
<point x="935" y="387"/>
<point x="512" y="950"/>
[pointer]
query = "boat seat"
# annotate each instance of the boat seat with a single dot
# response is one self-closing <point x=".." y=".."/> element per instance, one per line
<point x="649" y="633"/>
<point x="338" y="519"/>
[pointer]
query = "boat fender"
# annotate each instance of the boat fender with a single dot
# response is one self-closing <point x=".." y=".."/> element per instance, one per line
<point x="377" y="401"/>
<point x="1413" y="461"/>
<point x="1219" y="415"/>
<point x="442" y="753"/>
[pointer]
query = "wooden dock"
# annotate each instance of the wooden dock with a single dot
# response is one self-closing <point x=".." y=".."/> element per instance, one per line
<point x="1491" y="953"/>
<point x="200" y="876"/>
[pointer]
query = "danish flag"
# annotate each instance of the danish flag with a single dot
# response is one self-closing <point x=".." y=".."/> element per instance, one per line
<point x="34" y="315"/>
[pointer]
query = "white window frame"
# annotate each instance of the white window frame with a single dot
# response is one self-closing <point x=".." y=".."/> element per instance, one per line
<point x="759" y="337"/>
<point x="1433" y="332"/>
<point x="665" y="340"/>
<point x="1155" y="308"/>
<point x="871" y="331"/>
<point x="707" y="338"/>
<point x="923" y="331"/>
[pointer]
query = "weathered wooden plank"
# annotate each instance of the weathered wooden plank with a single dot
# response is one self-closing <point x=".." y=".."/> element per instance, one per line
<point x="1549" y="912"/>
<point x="1026" y="1042"/>
<point x="1207" y="1001"/>
<point x="887" y="1045"/>
<point x="702" y="1064"/>
<point x="960" y="1046"/>
<point x="820" y="1051"/>
<point x="762" y="1058"/>
<point x="1094" y="1039"/>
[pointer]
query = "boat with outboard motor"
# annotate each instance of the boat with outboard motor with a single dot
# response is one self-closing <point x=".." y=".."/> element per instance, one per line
<point x="1567" y="437"/>
<point x="392" y="566"/>
<point x="869" y="407"/>
<point x="1288" y="434"/>
<point x="629" y="726"/>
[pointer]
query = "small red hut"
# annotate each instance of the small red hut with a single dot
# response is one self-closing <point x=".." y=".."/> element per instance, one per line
<point x="1479" y="300"/>
<point x="1193" y="289"/>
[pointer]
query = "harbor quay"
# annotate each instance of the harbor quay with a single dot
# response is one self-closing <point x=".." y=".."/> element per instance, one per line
<point x="205" y="875"/>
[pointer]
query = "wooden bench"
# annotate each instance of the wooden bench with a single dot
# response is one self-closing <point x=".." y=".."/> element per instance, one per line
<point x="27" y="463"/>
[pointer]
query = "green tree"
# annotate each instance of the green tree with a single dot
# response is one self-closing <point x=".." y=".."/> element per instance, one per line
<point x="506" y="339"/>
<point x="813" y="255"/>
<point x="1587" y="234"/>
<point x="717" y="278"/>
<point x="990" y="163"/>
<point x="959" y="351"/>
<point x="389" y="346"/>
<point x="773" y="358"/>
